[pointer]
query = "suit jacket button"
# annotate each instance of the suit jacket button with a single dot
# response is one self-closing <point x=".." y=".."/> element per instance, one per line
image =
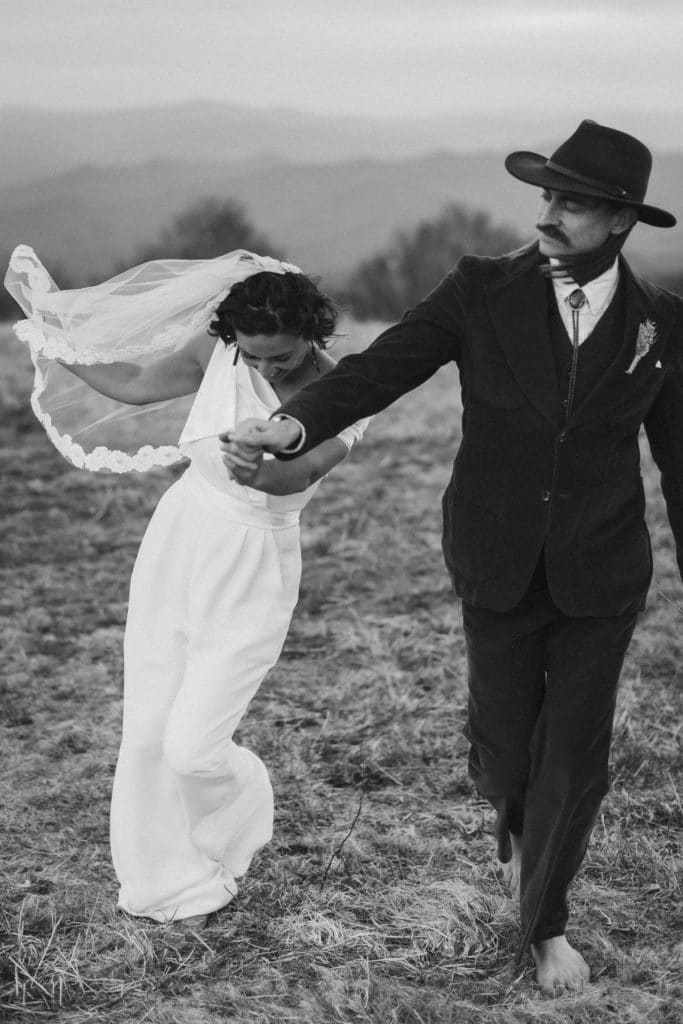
<point x="545" y="496"/>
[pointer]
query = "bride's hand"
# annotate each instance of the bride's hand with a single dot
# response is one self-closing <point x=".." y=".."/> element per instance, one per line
<point x="244" y="471"/>
<point x="243" y="461"/>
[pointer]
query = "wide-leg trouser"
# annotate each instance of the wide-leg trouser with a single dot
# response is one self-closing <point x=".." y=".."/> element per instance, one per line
<point x="542" y="692"/>
<point x="211" y="600"/>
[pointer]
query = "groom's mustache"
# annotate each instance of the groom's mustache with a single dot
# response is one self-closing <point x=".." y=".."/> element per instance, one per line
<point x="551" y="232"/>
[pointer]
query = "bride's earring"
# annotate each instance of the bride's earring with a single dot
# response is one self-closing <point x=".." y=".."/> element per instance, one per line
<point x="314" y="356"/>
<point x="237" y="354"/>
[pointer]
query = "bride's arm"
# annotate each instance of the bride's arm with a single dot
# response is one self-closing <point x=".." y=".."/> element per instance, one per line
<point x="170" y="376"/>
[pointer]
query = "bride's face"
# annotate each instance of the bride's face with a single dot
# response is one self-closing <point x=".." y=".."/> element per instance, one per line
<point x="274" y="356"/>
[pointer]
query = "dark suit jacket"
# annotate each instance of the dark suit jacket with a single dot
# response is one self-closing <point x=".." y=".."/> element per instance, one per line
<point x="521" y="482"/>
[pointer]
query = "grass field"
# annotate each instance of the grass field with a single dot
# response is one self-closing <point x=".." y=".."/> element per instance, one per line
<point x="376" y="900"/>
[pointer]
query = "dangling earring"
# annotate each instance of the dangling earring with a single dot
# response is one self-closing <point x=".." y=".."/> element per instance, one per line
<point x="237" y="354"/>
<point x="314" y="356"/>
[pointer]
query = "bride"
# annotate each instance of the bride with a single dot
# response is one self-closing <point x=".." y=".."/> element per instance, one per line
<point x="216" y="578"/>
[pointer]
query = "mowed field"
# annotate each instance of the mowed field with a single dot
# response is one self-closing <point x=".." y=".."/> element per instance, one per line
<point x="377" y="900"/>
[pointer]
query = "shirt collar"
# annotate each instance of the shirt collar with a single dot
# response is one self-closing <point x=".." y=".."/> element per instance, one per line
<point x="597" y="292"/>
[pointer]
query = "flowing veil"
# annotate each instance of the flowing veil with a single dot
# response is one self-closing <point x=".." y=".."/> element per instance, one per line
<point x="150" y="310"/>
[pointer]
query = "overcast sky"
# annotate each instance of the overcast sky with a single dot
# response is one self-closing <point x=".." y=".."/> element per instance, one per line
<point x="374" y="56"/>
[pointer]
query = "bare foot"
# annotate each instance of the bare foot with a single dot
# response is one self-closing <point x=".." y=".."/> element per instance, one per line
<point x="512" y="869"/>
<point x="559" y="967"/>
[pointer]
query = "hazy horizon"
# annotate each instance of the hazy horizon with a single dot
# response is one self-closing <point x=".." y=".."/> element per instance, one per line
<point x="308" y="86"/>
<point x="470" y="131"/>
<point x="537" y="59"/>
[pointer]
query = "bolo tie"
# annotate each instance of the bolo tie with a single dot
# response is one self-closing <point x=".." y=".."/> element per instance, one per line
<point x="577" y="300"/>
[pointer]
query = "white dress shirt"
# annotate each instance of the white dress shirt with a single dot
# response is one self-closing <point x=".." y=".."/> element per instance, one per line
<point x="599" y="293"/>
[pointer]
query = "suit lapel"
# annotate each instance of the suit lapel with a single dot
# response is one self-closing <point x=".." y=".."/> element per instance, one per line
<point x="518" y="306"/>
<point x="615" y="383"/>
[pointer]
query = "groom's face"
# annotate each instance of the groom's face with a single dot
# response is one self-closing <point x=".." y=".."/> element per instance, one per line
<point x="569" y="224"/>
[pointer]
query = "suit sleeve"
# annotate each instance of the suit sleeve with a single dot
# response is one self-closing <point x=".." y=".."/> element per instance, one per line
<point x="400" y="359"/>
<point x="664" y="429"/>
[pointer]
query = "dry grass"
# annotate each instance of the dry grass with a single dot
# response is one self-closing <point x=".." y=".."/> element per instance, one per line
<point x="399" y="918"/>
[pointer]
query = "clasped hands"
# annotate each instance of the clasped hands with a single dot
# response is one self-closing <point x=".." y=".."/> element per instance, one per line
<point x="243" y="447"/>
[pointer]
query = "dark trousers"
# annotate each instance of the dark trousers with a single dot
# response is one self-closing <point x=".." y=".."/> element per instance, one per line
<point x="542" y="690"/>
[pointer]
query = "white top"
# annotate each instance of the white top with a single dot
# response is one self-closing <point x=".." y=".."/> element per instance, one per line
<point x="227" y="395"/>
<point x="599" y="293"/>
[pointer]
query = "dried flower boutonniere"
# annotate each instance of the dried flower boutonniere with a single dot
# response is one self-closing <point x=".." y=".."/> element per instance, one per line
<point x="647" y="335"/>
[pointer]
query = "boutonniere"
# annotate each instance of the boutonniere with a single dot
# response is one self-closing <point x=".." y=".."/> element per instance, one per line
<point x="647" y="335"/>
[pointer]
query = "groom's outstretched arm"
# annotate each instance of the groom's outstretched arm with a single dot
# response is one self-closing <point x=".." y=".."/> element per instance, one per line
<point x="400" y="359"/>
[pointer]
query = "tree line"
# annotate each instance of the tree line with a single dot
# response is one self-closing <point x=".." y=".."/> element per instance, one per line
<point x="382" y="287"/>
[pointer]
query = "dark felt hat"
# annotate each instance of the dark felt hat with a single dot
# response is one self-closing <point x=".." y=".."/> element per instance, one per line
<point x="595" y="161"/>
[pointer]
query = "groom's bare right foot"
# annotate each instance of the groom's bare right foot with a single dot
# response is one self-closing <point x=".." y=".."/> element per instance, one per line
<point x="559" y="967"/>
<point x="512" y="869"/>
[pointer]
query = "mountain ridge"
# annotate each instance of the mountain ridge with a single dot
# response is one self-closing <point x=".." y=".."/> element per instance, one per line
<point x="38" y="142"/>
<point x="324" y="216"/>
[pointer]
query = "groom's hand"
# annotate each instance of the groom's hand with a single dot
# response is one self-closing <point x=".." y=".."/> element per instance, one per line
<point x="265" y="435"/>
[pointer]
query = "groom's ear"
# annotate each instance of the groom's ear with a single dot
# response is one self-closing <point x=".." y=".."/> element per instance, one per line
<point x="625" y="218"/>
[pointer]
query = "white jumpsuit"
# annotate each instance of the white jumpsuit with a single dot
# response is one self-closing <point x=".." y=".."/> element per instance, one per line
<point x="212" y="594"/>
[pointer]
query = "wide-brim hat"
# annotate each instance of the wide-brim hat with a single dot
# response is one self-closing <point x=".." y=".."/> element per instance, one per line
<point x="595" y="161"/>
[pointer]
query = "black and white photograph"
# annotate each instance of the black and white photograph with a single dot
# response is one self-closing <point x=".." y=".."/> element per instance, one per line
<point x="341" y="435"/>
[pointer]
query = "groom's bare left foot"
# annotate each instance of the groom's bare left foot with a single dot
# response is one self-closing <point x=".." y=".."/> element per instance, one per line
<point x="511" y="870"/>
<point x="559" y="967"/>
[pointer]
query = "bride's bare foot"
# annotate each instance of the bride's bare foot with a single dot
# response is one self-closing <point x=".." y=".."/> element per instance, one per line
<point x="512" y="869"/>
<point x="559" y="967"/>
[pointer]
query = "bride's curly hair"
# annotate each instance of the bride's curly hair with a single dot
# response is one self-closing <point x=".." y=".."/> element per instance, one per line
<point x="269" y="303"/>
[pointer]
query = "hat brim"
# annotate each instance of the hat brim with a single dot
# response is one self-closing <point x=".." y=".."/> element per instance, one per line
<point x="532" y="168"/>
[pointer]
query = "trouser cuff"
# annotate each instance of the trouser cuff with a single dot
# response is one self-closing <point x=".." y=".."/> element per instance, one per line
<point x="548" y="931"/>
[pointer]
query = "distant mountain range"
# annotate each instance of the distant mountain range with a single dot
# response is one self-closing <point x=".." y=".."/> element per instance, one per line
<point x="324" y="217"/>
<point x="39" y="143"/>
<point x="298" y="176"/>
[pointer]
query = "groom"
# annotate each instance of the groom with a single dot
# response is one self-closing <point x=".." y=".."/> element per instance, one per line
<point x="563" y="354"/>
